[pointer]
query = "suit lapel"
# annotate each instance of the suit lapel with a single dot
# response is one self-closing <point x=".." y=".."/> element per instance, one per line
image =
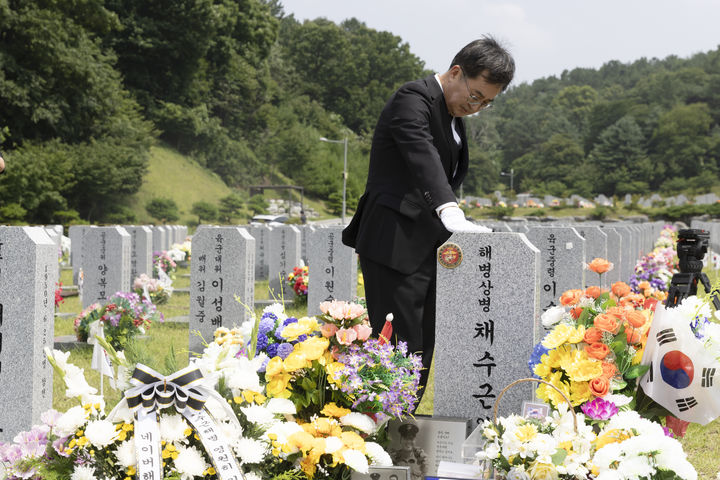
<point x="441" y="114"/>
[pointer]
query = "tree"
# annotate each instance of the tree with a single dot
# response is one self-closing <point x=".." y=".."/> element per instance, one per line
<point x="257" y="204"/>
<point x="204" y="211"/>
<point x="162" y="209"/>
<point x="230" y="207"/>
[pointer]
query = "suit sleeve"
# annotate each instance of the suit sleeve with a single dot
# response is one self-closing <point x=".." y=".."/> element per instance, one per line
<point x="410" y="128"/>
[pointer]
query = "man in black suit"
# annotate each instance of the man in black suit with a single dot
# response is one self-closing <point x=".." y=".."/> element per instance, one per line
<point x="419" y="156"/>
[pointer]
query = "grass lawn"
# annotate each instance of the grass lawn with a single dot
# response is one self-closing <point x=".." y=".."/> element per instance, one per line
<point x="702" y="444"/>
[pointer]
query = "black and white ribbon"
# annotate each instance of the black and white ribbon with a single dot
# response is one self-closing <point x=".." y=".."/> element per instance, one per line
<point x="185" y="390"/>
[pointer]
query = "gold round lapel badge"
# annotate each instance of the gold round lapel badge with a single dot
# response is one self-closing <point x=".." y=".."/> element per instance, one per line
<point x="450" y="255"/>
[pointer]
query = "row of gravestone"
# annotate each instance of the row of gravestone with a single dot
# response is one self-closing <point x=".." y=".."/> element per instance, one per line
<point x="488" y="305"/>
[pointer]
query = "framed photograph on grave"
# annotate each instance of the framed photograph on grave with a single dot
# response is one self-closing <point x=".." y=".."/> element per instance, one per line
<point x="421" y="443"/>
<point x="383" y="473"/>
<point x="537" y="410"/>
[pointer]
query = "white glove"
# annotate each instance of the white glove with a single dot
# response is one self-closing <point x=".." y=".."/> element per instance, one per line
<point x="454" y="221"/>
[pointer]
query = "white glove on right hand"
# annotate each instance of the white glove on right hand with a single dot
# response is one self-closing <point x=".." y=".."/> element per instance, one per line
<point x="454" y="221"/>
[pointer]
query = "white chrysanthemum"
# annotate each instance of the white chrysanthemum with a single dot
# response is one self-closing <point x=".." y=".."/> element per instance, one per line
<point x="636" y="467"/>
<point x="378" y="456"/>
<point x="356" y="460"/>
<point x="100" y="433"/>
<point x="333" y="444"/>
<point x="359" y="421"/>
<point x="281" y="406"/>
<point x="258" y="414"/>
<point x="190" y="462"/>
<point x="251" y="451"/>
<point x="252" y="476"/>
<point x="217" y="409"/>
<point x="278" y="310"/>
<point x="70" y="421"/>
<point x="231" y="430"/>
<point x="173" y="427"/>
<point x="552" y="316"/>
<point x="125" y="454"/>
<point x="610" y="475"/>
<point x="618" y="399"/>
<point x="83" y="472"/>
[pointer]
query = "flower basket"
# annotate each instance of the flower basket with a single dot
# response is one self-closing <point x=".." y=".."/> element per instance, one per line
<point x="524" y="380"/>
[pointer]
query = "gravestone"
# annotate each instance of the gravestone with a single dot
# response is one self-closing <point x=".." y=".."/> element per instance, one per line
<point x="284" y="255"/>
<point x="332" y="269"/>
<point x="487" y="317"/>
<point x="105" y="264"/>
<point x="305" y="233"/>
<point x="614" y="249"/>
<point x="28" y="272"/>
<point x="562" y="262"/>
<point x="595" y="247"/>
<point x="629" y="259"/>
<point x="222" y="268"/>
<point x="76" y="234"/>
<point x="182" y="232"/>
<point x="261" y="234"/>
<point x="141" y="261"/>
<point x="159" y="235"/>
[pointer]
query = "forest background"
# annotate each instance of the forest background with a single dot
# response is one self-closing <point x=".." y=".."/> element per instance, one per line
<point x="88" y="87"/>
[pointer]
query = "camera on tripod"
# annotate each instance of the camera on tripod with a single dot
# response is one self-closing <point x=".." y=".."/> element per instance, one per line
<point x="692" y="245"/>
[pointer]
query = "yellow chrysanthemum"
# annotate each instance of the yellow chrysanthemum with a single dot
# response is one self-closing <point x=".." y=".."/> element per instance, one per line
<point x="579" y="393"/>
<point x="637" y="358"/>
<point x="332" y="410"/>
<point x="584" y="370"/>
<point x="314" y="347"/>
<point x="577" y="335"/>
<point x="526" y="432"/>
<point x="323" y="426"/>
<point x="549" y="394"/>
<point x="558" y="336"/>
<point x="542" y="370"/>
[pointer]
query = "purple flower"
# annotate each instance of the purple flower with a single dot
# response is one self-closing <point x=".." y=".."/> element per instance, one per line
<point x="266" y="324"/>
<point x="262" y="342"/>
<point x="599" y="409"/>
<point x="284" y="349"/>
<point x="271" y="350"/>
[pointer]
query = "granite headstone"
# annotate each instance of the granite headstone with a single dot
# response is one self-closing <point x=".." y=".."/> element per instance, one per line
<point x="261" y="234"/>
<point x="222" y="281"/>
<point x="332" y="268"/>
<point x="28" y="272"/>
<point x="284" y="255"/>
<point x="487" y="313"/>
<point x="141" y="261"/>
<point x="105" y="264"/>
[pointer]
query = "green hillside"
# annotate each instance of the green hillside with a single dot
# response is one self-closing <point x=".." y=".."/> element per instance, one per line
<point x="175" y="176"/>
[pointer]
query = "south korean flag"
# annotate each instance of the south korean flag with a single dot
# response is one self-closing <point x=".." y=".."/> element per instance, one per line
<point x="683" y="376"/>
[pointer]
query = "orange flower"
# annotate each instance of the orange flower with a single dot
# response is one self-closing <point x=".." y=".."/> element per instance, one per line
<point x="597" y="350"/>
<point x="644" y="285"/>
<point x="592" y="335"/>
<point x="632" y="300"/>
<point x="606" y="323"/>
<point x="600" y="265"/>
<point x="575" y="312"/>
<point x="636" y="319"/>
<point x="593" y="292"/>
<point x="571" y="297"/>
<point x="609" y="369"/>
<point x="618" y="312"/>
<point x="599" y="386"/>
<point x="620" y="289"/>
<point x="632" y="335"/>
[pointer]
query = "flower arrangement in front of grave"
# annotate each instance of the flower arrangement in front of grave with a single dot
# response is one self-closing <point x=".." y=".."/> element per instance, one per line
<point x="654" y="271"/>
<point x="59" y="299"/>
<point x="180" y="252"/>
<point x="269" y="417"/>
<point x="163" y="261"/>
<point x="298" y="281"/>
<point x="152" y="288"/>
<point x="604" y="444"/>
<point x="593" y="347"/>
<point x="122" y="318"/>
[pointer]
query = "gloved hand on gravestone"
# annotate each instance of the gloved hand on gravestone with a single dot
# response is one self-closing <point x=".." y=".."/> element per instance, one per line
<point x="454" y="221"/>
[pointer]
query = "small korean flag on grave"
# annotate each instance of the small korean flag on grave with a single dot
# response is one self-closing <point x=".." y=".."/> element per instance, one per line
<point x="683" y="375"/>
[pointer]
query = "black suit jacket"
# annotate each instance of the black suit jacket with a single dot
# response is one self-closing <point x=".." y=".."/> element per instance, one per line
<point x="415" y="164"/>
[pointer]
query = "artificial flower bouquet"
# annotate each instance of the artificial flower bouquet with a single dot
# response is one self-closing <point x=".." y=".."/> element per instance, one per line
<point x="593" y="347"/>
<point x="163" y="261"/>
<point x="124" y="316"/>
<point x="654" y="271"/>
<point x="271" y="417"/>
<point x="180" y="252"/>
<point x="157" y="291"/>
<point x="298" y="281"/>
<point x="58" y="294"/>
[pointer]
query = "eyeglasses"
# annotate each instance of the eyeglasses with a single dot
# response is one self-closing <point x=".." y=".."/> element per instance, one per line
<point x="473" y="100"/>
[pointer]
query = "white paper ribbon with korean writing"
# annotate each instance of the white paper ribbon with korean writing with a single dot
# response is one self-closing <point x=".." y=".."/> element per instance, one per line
<point x="152" y="391"/>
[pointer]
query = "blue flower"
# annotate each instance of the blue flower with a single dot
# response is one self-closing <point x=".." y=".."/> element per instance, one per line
<point x="266" y="324"/>
<point x="284" y="349"/>
<point x="535" y="356"/>
<point x="272" y="350"/>
<point x="262" y="342"/>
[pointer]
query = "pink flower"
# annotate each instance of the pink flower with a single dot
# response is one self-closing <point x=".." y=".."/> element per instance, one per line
<point x="339" y="310"/>
<point x="363" y="331"/>
<point x="328" y="329"/>
<point x="346" y="336"/>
